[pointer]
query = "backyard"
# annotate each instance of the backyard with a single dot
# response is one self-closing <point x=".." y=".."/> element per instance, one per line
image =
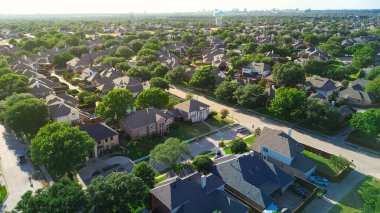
<point x="353" y="201"/>
<point x="324" y="165"/>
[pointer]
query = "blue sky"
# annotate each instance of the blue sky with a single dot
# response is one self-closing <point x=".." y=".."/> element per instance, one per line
<point x="138" y="6"/>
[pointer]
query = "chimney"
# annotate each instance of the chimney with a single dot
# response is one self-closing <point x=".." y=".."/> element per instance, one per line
<point x="37" y="84"/>
<point x="134" y="109"/>
<point x="251" y="153"/>
<point x="290" y="132"/>
<point x="203" y="181"/>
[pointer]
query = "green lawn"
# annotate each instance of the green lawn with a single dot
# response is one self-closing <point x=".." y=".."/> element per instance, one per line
<point x="184" y="132"/>
<point x="218" y="122"/>
<point x="227" y="150"/>
<point x="3" y="194"/>
<point x="250" y="140"/>
<point x="161" y="178"/>
<point x="136" y="149"/>
<point x="323" y="164"/>
<point x="353" y="202"/>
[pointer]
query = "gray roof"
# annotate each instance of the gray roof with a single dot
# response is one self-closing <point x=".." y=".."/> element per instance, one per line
<point x="321" y="83"/>
<point x="277" y="141"/>
<point x="99" y="131"/>
<point x="188" y="194"/>
<point x="352" y="93"/>
<point x="302" y="163"/>
<point x="191" y="105"/>
<point x="59" y="109"/>
<point x="359" y="84"/>
<point x="144" y="117"/>
<point x="253" y="177"/>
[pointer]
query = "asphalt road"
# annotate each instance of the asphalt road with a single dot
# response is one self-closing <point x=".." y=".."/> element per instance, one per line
<point x="16" y="176"/>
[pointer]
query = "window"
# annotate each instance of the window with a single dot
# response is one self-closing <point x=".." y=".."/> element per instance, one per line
<point x="265" y="149"/>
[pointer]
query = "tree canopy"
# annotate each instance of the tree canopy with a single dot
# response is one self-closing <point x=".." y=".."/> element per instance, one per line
<point x="374" y="88"/>
<point x="203" y="78"/>
<point x="250" y="95"/>
<point x="10" y="83"/>
<point x="225" y="91"/>
<point x="115" y="104"/>
<point x="146" y="173"/>
<point x="176" y="75"/>
<point x="202" y="163"/>
<point x="364" y="57"/>
<point x="153" y="97"/>
<point x="60" y="147"/>
<point x="158" y="82"/>
<point x="367" y="123"/>
<point x="169" y="153"/>
<point x="288" y="75"/>
<point x="289" y="103"/>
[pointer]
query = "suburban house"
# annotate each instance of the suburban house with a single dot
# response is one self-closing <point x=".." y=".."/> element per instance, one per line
<point x="253" y="180"/>
<point x="40" y="90"/>
<point x="62" y="112"/>
<point x="192" y="109"/>
<point x="322" y="86"/>
<point x="57" y="87"/>
<point x="284" y="152"/>
<point x="129" y="83"/>
<point x="194" y="193"/>
<point x="355" y="93"/>
<point x="257" y="69"/>
<point x="145" y="122"/>
<point x="104" y="136"/>
<point x="314" y="54"/>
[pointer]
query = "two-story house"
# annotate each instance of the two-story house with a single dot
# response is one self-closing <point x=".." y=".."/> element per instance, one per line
<point x="257" y="69"/>
<point x="322" y="86"/>
<point x="145" y="122"/>
<point x="194" y="193"/>
<point x="104" y="136"/>
<point x="284" y="152"/>
<point x="192" y="109"/>
<point x="62" y="112"/>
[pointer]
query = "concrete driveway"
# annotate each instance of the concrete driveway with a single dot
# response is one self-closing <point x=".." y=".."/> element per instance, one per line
<point x="16" y="176"/>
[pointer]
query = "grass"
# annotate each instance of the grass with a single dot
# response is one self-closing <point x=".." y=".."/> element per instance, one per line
<point x="353" y="201"/>
<point x="161" y="178"/>
<point x="355" y="75"/>
<point x="250" y="140"/>
<point x="227" y="150"/>
<point x="369" y="143"/>
<point x="324" y="165"/>
<point x="184" y="132"/>
<point x="3" y="194"/>
<point x="136" y="149"/>
<point x="138" y="209"/>
<point x="218" y="122"/>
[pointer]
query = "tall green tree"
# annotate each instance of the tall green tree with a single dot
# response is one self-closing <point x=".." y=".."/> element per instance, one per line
<point x="10" y="83"/>
<point x="367" y="123"/>
<point x="158" y="82"/>
<point x="225" y="91"/>
<point x="63" y="196"/>
<point x="125" y="52"/>
<point x="153" y="97"/>
<point x="146" y="172"/>
<point x="364" y="57"/>
<point x="60" y="147"/>
<point x="60" y="60"/>
<point x="117" y="192"/>
<point x="202" y="163"/>
<point x="115" y="104"/>
<point x="26" y="116"/>
<point x="203" y="78"/>
<point x="289" y="103"/>
<point x="170" y="153"/>
<point x="139" y="72"/>
<point x="374" y="88"/>
<point x="288" y="75"/>
<point x="250" y="95"/>
<point x="176" y="76"/>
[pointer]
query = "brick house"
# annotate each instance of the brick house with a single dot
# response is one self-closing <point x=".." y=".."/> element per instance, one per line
<point x="191" y="109"/>
<point x="146" y="122"/>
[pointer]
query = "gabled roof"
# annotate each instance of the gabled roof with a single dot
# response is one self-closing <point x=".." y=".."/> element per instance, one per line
<point x="253" y="177"/>
<point x="99" y="131"/>
<point x="144" y="117"/>
<point x="321" y="83"/>
<point x="59" y="109"/>
<point x="277" y="141"/>
<point x="191" y="105"/>
<point x="188" y="196"/>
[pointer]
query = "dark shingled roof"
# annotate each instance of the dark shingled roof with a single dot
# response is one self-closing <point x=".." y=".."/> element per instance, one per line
<point x="144" y="117"/>
<point x="99" y="131"/>
<point x="253" y="177"/>
<point x="278" y="141"/>
<point x="188" y="195"/>
<point x="191" y="105"/>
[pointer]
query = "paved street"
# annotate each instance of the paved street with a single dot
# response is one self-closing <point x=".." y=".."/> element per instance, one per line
<point x="15" y="175"/>
<point x="366" y="163"/>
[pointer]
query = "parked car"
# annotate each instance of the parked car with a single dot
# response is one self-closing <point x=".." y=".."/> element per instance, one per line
<point x="300" y="191"/>
<point x="241" y="129"/>
<point x="21" y="158"/>
<point x="319" y="180"/>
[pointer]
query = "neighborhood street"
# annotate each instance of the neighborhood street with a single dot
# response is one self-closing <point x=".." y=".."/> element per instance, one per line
<point x="16" y="176"/>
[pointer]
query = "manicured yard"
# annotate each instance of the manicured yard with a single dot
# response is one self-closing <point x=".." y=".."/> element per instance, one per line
<point x="227" y="150"/>
<point x="3" y="194"/>
<point x="250" y="140"/>
<point x="324" y="165"/>
<point x="353" y="201"/>
<point x="136" y="149"/>
<point x="184" y="132"/>
<point x="161" y="178"/>
<point x="218" y="122"/>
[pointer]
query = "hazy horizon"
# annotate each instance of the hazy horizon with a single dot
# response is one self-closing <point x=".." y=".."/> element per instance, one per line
<point x="170" y="6"/>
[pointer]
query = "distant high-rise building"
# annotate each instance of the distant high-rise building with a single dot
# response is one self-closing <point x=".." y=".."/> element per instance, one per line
<point x="219" y="22"/>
